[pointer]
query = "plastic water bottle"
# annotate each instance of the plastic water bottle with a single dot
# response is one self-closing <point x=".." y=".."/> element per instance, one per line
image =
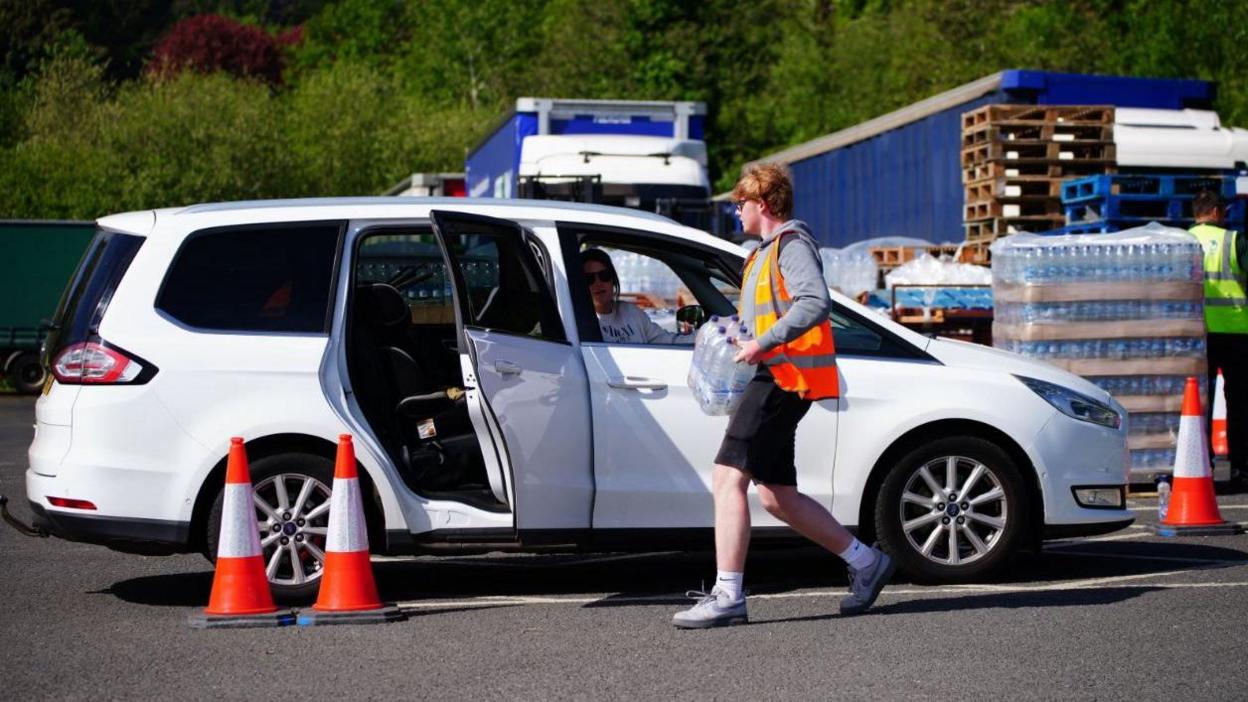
<point x="741" y="372"/>
<point x="1163" y="498"/>
<point x="717" y="375"/>
<point x="701" y="346"/>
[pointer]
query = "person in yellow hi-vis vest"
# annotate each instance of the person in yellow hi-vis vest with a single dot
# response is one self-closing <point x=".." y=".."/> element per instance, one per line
<point x="785" y="303"/>
<point x="1226" y="319"/>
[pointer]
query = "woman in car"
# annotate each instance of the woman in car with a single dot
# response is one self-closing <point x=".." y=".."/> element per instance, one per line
<point x="621" y="322"/>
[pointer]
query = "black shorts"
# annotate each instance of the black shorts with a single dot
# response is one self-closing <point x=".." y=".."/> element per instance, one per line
<point x="762" y="432"/>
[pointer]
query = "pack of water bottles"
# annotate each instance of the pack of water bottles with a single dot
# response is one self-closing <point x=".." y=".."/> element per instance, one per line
<point x="644" y="274"/>
<point x="716" y="380"/>
<point x="1124" y="310"/>
<point x="852" y="271"/>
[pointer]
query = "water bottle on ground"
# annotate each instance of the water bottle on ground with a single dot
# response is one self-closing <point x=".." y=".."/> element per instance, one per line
<point x="1163" y="498"/>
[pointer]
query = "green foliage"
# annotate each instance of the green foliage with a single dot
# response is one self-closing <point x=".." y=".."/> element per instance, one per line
<point x="379" y="89"/>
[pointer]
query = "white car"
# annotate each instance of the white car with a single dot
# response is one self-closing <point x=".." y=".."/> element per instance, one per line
<point x="489" y="414"/>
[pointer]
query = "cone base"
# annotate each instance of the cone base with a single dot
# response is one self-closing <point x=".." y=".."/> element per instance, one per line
<point x="203" y="620"/>
<point x="1223" y="529"/>
<point x="383" y="615"/>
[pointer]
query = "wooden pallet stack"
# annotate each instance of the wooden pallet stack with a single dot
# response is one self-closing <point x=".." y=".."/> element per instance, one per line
<point x="1014" y="159"/>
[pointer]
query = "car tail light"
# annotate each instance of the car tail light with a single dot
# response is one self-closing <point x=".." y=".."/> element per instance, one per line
<point x="70" y="503"/>
<point x="92" y="363"/>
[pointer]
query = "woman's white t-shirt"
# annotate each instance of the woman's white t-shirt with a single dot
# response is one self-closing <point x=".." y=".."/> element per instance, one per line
<point x="629" y="324"/>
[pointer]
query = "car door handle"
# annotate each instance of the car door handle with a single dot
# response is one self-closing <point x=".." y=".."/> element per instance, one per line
<point x="507" y="368"/>
<point x="633" y="383"/>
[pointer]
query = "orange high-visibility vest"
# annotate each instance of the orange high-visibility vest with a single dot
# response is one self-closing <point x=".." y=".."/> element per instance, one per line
<point x="807" y="364"/>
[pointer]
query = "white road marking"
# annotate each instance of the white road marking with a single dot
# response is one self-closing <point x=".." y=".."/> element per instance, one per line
<point x="1120" y="537"/>
<point x="1146" y="508"/>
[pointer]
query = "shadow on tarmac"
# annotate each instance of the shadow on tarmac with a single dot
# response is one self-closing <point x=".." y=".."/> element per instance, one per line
<point x="1004" y="600"/>
<point x="649" y="579"/>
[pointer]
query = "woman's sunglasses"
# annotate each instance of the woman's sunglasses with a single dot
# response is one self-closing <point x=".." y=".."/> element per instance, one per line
<point x="599" y="276"/>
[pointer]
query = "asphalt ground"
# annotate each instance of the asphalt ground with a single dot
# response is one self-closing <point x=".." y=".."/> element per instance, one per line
<point x="1124" y="616"/>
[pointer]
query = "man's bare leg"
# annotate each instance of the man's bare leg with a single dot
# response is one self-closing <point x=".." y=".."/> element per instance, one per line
<point x="870" y="568"/>
<point x="732" y="517"/>
<point x="806" y="516"/>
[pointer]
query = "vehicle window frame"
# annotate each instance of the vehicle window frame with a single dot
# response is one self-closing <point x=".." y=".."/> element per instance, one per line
<point x="331" y="291"/>
<point x="573" y="234"/>
<point x="536" y="268"/>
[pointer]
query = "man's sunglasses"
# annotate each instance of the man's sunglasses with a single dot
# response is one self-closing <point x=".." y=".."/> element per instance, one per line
<point x="599" y="276"/>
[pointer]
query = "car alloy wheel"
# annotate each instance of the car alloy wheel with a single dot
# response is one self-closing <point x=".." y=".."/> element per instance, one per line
<point x="953" y="510"/>
<point x="291" y="494"/>
<point x="292" y="511"/>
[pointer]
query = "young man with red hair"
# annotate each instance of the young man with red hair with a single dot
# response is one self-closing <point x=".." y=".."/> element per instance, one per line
<point x="785" y="302"/>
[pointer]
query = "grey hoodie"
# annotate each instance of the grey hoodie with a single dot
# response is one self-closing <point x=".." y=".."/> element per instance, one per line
<point x="803" y="277"/>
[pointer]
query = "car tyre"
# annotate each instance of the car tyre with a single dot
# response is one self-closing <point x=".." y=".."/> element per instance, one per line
<point x="938" y="539"/>
<point x="25" y="372"/>
<point x="292" y="524"/>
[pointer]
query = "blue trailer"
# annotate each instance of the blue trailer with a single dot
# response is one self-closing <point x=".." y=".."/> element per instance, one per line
<point x="900" y="174"/>
<point x="642" y="154"/>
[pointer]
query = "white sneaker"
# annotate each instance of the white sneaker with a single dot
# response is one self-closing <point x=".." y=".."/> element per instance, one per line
<point x="865" y="584"/>
<point x="713" y="609"/>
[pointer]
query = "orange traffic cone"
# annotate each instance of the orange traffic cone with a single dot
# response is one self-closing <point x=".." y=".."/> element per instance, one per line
<point x="348" y="592"/>
<point x="240" y="588"/>
<point x="1220" y="445"/>
<point x="1193" y="509"/>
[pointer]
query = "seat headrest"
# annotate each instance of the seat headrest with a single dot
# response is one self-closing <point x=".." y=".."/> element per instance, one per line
<point x="382" y="304"/>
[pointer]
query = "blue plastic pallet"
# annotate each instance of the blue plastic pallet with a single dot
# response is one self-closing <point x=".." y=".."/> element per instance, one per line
<point x="1144" y="186"/>
<point x="1169" y="211"/>
<point x="1100" y="227"/>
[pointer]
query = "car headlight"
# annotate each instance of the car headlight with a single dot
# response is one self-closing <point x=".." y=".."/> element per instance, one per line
<point x="1073" y="404"/>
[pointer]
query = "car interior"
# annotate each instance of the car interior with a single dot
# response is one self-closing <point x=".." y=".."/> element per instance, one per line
<point x="404" y="364"/>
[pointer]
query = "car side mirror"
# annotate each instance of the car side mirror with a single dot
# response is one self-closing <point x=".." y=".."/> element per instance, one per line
<point x="692" y="315"/>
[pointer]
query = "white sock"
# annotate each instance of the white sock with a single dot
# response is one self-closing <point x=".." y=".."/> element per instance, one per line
<point x="730" y="583"/>
<point x="858" y="555"/>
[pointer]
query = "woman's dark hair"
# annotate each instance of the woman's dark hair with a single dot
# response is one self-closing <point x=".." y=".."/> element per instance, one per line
<point x="600" y="256"/>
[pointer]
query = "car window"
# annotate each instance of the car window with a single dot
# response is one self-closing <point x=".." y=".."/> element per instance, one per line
<point x="856" y="336"/>
<point x="271" y="278"/>
<point x="851" y="336"/>
<point x="412" y="264"/>
<point x="656" y="273"/>
<point x="504" y="285"/>
<point x="650" y="284"/>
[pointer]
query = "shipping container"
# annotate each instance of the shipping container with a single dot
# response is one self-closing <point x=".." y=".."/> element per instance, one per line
<point x="900" y="174"/>
<point x="43" y="254"/>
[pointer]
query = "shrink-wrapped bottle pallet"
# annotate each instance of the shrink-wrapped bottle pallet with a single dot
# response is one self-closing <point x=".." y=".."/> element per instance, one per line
<point x="1123" y="310"/>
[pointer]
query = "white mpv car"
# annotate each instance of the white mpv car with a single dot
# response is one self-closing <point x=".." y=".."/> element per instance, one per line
<point x="456" y="340"/>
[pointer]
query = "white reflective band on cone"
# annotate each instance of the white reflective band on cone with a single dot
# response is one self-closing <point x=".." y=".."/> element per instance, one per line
<point x="1219" y="399"/>
<point x="1191" y="453"/>
<point x="346" y="518"/>
<point x="240" y="537"/>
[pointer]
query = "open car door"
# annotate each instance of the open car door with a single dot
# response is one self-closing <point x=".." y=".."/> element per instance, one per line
<point x="531" y="379"/>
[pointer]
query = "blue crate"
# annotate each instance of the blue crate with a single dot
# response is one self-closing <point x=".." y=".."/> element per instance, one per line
<point x="1144" y="186"/>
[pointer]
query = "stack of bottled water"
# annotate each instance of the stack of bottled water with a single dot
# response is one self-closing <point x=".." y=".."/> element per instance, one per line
<point x="643" y="274"/>
<point x="852" y="271"/>
<point x="1125" y="310"/>
<point x="716" y="380"/>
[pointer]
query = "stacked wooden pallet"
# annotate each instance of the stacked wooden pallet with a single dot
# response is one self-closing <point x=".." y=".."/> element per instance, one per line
<point x="1014" y="158"/>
